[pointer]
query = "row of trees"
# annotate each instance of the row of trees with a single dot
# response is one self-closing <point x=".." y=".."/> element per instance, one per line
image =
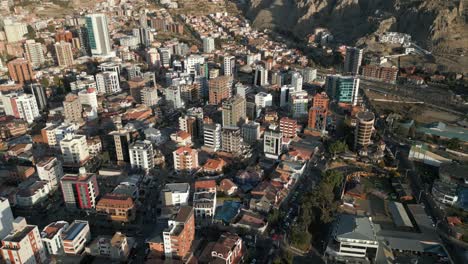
<point x="317" y="207"/>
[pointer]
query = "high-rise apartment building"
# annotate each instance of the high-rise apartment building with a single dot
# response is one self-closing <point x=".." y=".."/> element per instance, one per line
<point x="309" y="74"/>
<point x="52" y="237"/>
<point x="89" y="102"/>
<point x="343" y="89"/>
<point x="212" y="136"/>
<point x="149" y="96"/>
<point x="208" y="44"/>
<point x="250" y="132"/>
<point x="352" y="61"/>
<point x="385" y="74"/>
<point x="34" y="53"/>
<point x="6" y="218"/>
<point x="142" y="155"/>
<point x="272" y="143"/>
<point x="174" y="97"/>
<point x="364" y="128"/>
<point x="204" y="201"/>
<point x="263" y="100"/>
<point x="229" y="65"/>
<point x="52" y="134"/>
<point x="298" y="104"/>
<point x="108" y="82"/>
<point x="231" y="140"/>
<point x="98" y="34"/>
<point x="40" y="94"/>
<point x="118" y="143"/>
<point x="22" y="106"/>
<point x="72" y="109"/>
<point x="15" y="32"/>
<point x="219" y="89"/>
<point x="318" y="113"/>
<point x="23" y="244"/>
<point x="234" y="111"/>
<point x="80" y="191"/>
<point x="63" y="51"/>
<point x="297" y="81"/>
<point x="50" y="169"/>
<point x="261" y="76"/>
<point x="20" y="70"/>
<point x="177" y="239"/>
<point x="185" y="159"/>
<point x="74" y="149"/>
<point x="189" y="124"/>
<point x="75" y="237"/>
<point x="288" y="127"/>
<point x="175" y="194"/>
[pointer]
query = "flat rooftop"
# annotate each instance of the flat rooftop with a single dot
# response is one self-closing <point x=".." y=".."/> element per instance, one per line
<point x="74" y="230"/>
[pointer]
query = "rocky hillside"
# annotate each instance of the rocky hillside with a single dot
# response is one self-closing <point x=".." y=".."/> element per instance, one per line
<point x="439" y="25"/>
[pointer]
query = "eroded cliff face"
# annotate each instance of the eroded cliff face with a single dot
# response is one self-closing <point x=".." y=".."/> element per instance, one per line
<point x="435" y="24"/>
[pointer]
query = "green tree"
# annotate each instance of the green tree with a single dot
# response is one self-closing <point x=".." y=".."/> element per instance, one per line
<point x="337" y="147"/>
<point x="453" y="143"/>
<point x="45" y="82"/>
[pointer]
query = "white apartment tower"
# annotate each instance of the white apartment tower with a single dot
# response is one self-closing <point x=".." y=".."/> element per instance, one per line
<point x="22" y="106"/>
<point x="108" y="82"/>
<point x="50" y="170"/>
<point x="142" y="155"/>
<point x="74" y="149"/>
<point x="98" y="34"/>
<point x="34" y="53"/>
<point x="64" y="53"/>
<point x="208" y="44"/>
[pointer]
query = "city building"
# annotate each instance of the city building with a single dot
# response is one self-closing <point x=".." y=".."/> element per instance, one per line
<point x="185" y="160"/>
<point x="364" y="128"/>
<point x="297" y="81"/>
<point x="50" y="169"/>
<point x="63" y="51"/>
<point x="149" y="96"/>
<point x="309" y="74"/>
<point x="174" y="97"/>
<point x="208" y="44"/>
<point x="285" y="95"/>
<point x="52" y="237"/>
<point x="234" y="111"/>
<point x="343" y="89"/>
<point x="229" y="65"/>
<point x="52" y="134"/>
<point x="120" y="208"/>
<point x="72" y="109"/>
<point x="298" y="104"/>
<point x="231" y="140"/>
<point x="263" y="100"/>
<point x="98" y="34"/>
<point x="178" y="237"/>
<point x="261" y="76"/>
<point x="89" y="103"/>
<point x="74" y="149"/>
<point x="288" y="127"/>
<point x="352" y="61"/>
<point x="34" y="53"/>
<point x="39" y="92"/>
<point x="23" y="244"/>
<point x="75" y="237"/>
<point x="15" y="32"/>
<point x="445" y="192"/>
<point x="108" y="82"/>
<point x="385" y="74"/>
<point x="212" y="136"/>
<point x="80" y="190"/>
<point x="23" y="106"/>
<point x="118" y="143"/>
<point x="251" y="132"/>
<point x="142" y="155"/>
<point x="355" y="237"/>
<point x="204" y="201"/>
<point x="318" y="113"/>
<point x="272" y="143"/>
<point x="175" y="194"/>
<point x="228" y="249"/>
<point x="219" y="89"/>
<point x="6" y="219"/>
